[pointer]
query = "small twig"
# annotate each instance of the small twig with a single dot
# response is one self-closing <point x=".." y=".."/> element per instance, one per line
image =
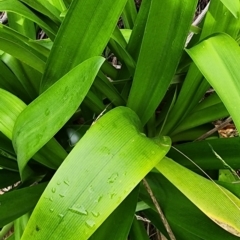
<point x="219" y="127"/>
<point x="201" y="15"/>
<point x="159" y="210"/>
<point x="3" y="18"/>
<point x="197" y="21"/>
<point x="159" y="235"/>
<point x="140" y="218"/>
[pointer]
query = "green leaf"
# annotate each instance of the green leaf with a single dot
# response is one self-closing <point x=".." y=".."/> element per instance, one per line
<point x="19" y="226"/>
<point x="138" y="231"/>
<point x="79" y="28"/>
<point x="45" y="8"/>
<point x="233" y="6"/>
<point x="10" y="108"/>
<point x="185" y="219"/>
<point x="19" y="8"/>
<point x="10" y="83"/>
<point x="217" y="58"/>
<point x="162" y="45"/>
<point x="16" y="45"/>
<point x="129" y="14"/>
<point x="201" y="117"/>
<point x="220" y="205"/>
<point x="218" y="19"/>
<point x="117" y="225"/>
<point x="8" y="178"/>
<point x="51" y="110"/>
<point x="14" y="205"/>
<point x="22" y="25"/>
<point x="28" y="79"/>
<point x="201" y="153"/>
<point x="102" y="169"/>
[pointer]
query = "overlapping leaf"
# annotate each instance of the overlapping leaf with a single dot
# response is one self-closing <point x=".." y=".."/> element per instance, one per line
<point x="103" y="168"/>
<point x="220" y="205"/>
<point x="164" y="37"/>
<point x="93" y="27"/>
<point x="50" y="111"/>
<point x="217" y="58"/>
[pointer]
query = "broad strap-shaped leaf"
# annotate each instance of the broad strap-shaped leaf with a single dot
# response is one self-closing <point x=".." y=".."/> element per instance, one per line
<point x="18" y="202"/>
<point x="165" y="33"/>
<point x="45" y="8"/>
<point x="17" y="45"/>
<point x="19" y="8"/>
<point x="47" y="114"/>
<point x="51" y="155"/>
<point x="233" y="6"/>
<point x="8" y="178"/>
<point x="118" y="224"/>
<point x="10" y="108"/>
<point x="87" y="22"/>
<point x="185" y="219"/>
<point x="218" y="60"/>
<point x="102" y="169"/>
<point x="227" y="148"/>
<point x="218" y="19"/>
<point x="220" y="205"/>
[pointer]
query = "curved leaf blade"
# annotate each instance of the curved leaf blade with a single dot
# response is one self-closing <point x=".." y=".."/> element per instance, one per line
<point x="160" y="52"/>
<point x="19" y="8"/>
<point x="17" y="45"/>
<point x="10" y="108"/>
<point x="233" y="6"/>
<point x="218" y="59"/>
<point x="41" y="120"/>
<point x="220" y="205"/>
<point x="109" y="161"/>
<point x="13" y="204"/>
<point x="93" y="26"/>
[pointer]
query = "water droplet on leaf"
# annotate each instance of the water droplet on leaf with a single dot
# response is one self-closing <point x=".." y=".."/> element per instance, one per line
<point x="99" y="199"/>
<point x="78" y="209"/>
<point x="66" y="182"/>
<point x="112" y="178"/>
<point x="90" y="223"/>
<point x="95" y="214"/>
<point x="61" y="195"/>
<point x="47" y="112"/>
<point x="53" y="190"/>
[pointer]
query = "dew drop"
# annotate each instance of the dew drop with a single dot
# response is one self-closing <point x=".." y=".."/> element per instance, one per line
<point x="112" y="195"/>
<point x="51" y="209"/>
<point x="95" y="214"/>
<point x="112" y="178"/>
<point x="58" y="183"/>
<point x="53" y="190"/>
<point x="90" y="189"/>
<point x="62" y="195"/>
<point x="78" y="209"/>
<point x="66" y="182"/>
<point x="51" y="199"/>
<point x="60" y="215"/>
<point x="99" y="199"/>
<point x="66" y="90"/>
<point x="47" y="112"/>
<point x="90" y="223"/>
